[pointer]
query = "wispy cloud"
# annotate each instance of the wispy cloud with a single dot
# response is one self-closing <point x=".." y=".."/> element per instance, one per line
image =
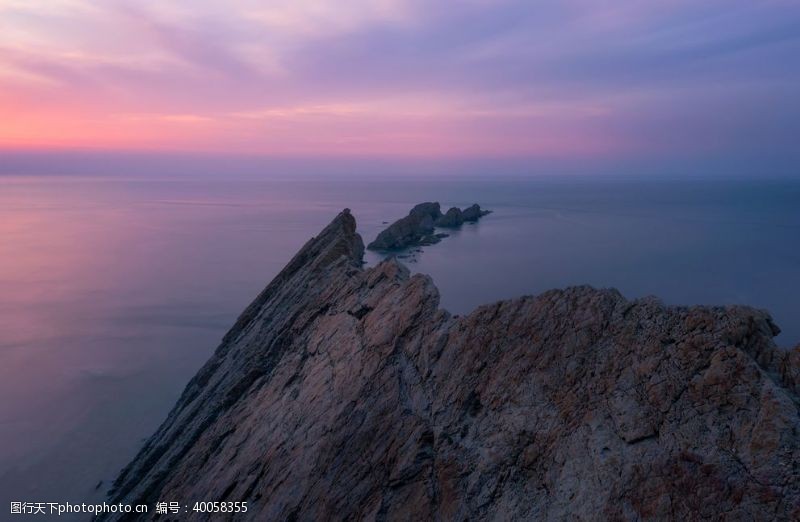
<point x="175" y="118"/>
<point x="570" y="77"/>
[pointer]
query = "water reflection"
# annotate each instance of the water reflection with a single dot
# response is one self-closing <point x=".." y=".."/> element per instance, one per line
<point x="114" y="291"/>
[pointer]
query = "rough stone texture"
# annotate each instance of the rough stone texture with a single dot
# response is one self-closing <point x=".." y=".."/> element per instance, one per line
<point x="474" y="213"/>
<point x="455" y="217"/>
<point x="347" y="394"/>
<point x="451" y="219"/>
<point x="409" y="230"/>
<point x="417" y="227"/>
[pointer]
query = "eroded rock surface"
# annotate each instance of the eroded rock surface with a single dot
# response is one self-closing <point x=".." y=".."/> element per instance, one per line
<point x="417" y="228"/>
<point x="347" y="394"/>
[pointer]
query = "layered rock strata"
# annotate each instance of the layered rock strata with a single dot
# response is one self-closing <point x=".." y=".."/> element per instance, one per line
<point x="344" y="393"/>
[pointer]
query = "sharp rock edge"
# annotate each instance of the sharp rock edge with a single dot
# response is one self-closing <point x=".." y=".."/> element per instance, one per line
<point x="347" y="394"/>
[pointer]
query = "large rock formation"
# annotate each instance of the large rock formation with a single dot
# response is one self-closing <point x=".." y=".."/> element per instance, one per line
<point x="473" y="213"/>
<point x="456" y="217"/>
<point x="409" y="230"/>
<point x="345" y="393"/>
<point x="417" y="228"/>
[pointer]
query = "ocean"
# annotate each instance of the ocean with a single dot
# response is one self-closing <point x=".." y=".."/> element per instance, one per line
<point x="115" y="289"/>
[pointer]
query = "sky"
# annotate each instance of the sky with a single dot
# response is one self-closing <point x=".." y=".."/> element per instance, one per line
<point x="552" y="79"/>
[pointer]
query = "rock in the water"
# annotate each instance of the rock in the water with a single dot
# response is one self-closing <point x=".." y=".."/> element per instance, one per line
<point x="451" y="219"/>
<point x="344" y="393"/>
<point x="408" y="230"/>
<point x="430" y="239"/>
<point x="474" y="213"/>
<point x="432" y="209"/>
<point x="418" y="226"/>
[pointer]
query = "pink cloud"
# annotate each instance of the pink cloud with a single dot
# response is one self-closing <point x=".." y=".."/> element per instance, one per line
<point x="401" y="77"/>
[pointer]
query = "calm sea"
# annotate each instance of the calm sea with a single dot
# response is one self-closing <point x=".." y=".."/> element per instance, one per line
<point x="114" y="291"/>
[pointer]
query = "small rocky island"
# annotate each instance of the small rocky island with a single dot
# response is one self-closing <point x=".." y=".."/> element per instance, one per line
<point x="346" y="393"/>
<point x="418" y="227"/>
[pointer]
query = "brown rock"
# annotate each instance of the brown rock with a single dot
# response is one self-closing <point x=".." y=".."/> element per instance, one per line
<point x="347" y="394"/>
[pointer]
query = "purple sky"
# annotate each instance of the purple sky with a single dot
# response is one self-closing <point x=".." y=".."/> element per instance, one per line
<point x="627" y="80"/>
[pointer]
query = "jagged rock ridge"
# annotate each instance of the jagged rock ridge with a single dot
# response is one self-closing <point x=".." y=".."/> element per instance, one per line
<point x="417" y="228"/>
<point x="345" y="393"/>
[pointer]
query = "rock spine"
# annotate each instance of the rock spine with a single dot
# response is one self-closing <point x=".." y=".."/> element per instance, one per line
<point x="344" y="393"/>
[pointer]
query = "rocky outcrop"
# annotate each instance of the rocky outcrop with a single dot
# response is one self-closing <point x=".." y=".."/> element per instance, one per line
<point x="410" y="230"/>
<point x="473" y="213"/>
<point x="345" y="393"/>
<point x="451" y="219"/>
<point x="417" y="228"/>
<point x="456" y="217"/>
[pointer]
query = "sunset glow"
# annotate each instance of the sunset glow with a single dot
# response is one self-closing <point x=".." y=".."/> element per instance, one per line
<point x="567" y="78"/>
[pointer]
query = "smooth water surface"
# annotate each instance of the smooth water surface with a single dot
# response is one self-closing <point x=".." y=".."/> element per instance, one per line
<point x="113" y="291"/>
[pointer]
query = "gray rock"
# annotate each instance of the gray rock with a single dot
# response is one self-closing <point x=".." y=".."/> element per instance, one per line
<point x="474" y="213"/>
<point x="451" y="219"/>
<point x="427" y="209"/>
<point x="409" y="230"/>
<point x="418" y="226"/>
<point x="430" y="239"/>
<point x="348" y="394"/>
